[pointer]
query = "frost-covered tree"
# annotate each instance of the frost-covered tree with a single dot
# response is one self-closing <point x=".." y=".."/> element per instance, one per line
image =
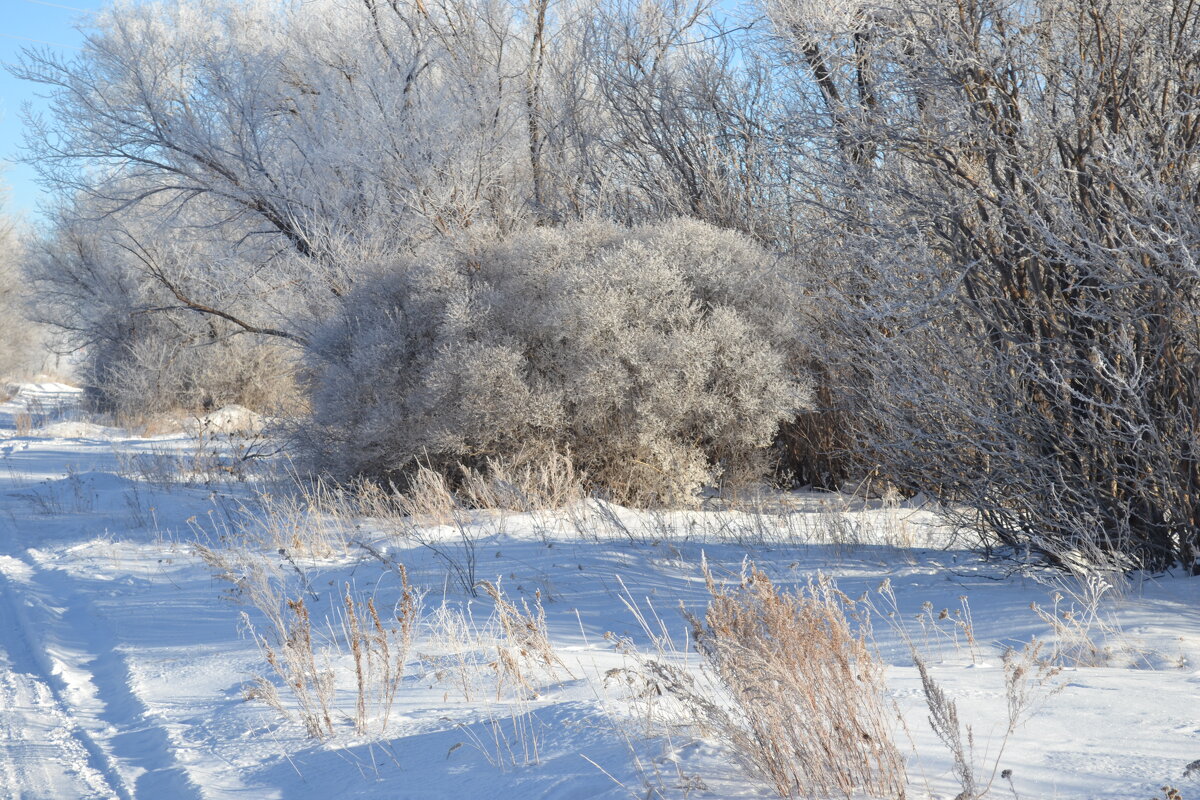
<point x="689" y="126"/>
<point x="22" y="342"/>
<point x="243" y="164"/>
<point x="325" y="121"/>
<point x="315" y="120"/>
<point x="1012" y="187"/>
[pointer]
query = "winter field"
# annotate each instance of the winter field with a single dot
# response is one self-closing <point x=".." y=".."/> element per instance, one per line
<point x="148" y="649"/>
<point x="602" y="399"/>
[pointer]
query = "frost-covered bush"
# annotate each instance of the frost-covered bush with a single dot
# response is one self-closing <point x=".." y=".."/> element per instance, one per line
<point x="660" y="357"/>
<point x="160" y="365"/>
<point x="117" y="290"/>
<point x="1015" y="318"/>
<point x="22" y="349"/>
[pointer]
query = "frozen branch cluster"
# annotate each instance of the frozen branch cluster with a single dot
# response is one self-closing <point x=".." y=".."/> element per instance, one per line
<point x="1016" y="187"/>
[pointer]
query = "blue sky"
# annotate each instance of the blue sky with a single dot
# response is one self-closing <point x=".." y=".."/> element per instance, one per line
<point x="30" y="23"/>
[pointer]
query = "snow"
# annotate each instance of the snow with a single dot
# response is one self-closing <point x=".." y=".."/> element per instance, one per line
<point x="125" y="658"/>
<point x="76" y="430"/>
<point x="228" y="419"/>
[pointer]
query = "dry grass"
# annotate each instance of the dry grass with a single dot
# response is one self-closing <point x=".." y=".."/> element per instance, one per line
<point x="942" y="633"/>
<point x="307" y="656"/>
<point x="201" y="458"/>
<point x="1083" y="593"/>
<point x="500" y="668"/>
<point x="1029" y="678"/>
<point x="285" y="635"/>
<point x="790" y="687"/>
<point x="313" y="520"/>
<point x="456" y="652"/>
<point x="289" y="650"/>
<point x="807" y="711"/>
<point x="523" y="645"/>
<point x="361" y="650"/>
<point x="428" y="501"/>
<point x="517" y="484"/>
<point x="1083" y="634"/>
<point x="379" y="650"/>
<point x="147" y="425"/>
<point x="524" y="484"/>
<point x="417" y="516"/>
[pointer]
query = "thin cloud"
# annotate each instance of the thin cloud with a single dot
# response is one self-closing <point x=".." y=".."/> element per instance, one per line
<point x="38" y="41"/>
<point x="58" y="5"/>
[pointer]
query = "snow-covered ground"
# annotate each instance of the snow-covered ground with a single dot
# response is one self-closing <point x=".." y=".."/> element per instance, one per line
<point x="134" y="574"/>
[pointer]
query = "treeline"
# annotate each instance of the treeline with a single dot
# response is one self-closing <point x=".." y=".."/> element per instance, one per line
<point x="949" y="244"/>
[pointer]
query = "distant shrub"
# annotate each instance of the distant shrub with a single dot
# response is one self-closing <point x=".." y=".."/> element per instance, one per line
<point x="22" y="341"/>
<point x="140" y="350"/>
<point x="660" y="357"/>
<point x="166" y="364"/>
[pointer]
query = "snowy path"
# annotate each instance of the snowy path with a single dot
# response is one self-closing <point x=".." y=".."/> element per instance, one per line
<point x="47" y="752"/>
<point x="44" y="753"/>
<point x="73" y="724"/>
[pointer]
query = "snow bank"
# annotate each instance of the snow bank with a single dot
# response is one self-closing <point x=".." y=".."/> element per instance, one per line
<point x="76" y="430"/>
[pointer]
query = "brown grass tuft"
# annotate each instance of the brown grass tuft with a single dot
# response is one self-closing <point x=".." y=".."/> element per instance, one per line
<point x="805" y="709"/>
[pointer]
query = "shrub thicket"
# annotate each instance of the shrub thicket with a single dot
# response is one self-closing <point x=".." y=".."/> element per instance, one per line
<point x="160" y="365"/>
<point x="661" y="358"/>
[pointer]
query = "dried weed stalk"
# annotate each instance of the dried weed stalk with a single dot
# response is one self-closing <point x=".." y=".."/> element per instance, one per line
<point x="523" y="644"/>
<point x="379" y="650"/>
<point x="1028" y="678"/>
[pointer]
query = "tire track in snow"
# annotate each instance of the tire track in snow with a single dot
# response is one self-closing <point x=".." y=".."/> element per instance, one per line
<point x="68" y="651"/>
<point x="39" y="755"/>
<point x="136" y="751"/>
<point x="49" y="750"/>
<point x="31" y="682"/>
<point x="140" y="741"/>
